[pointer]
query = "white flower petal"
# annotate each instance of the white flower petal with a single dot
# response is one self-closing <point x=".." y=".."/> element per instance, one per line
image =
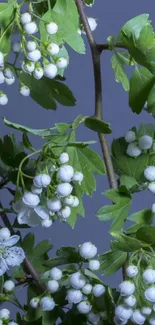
<point x="34" y="220"/>
<point x="11" y="241"/>
<point x="42" y="212"/>
<point x="15" y="256"/>
<point x="18" y="205"/>
<point x="23" y="216"/>
<point x="3" y="266"/>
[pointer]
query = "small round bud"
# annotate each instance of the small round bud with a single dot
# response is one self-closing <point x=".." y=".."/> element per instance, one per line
<point x="88" y="250"/>
<point x="29" y="67"/>
<point x="4" y="314"/>
<point x="2" y="79"/>
<point x="65" y="173"/>
<point x="77" y="281"/>
<point x="3" y="99"/>
<point x="31" y="28"/>
<point x="50" y="71"/>
<point x="153" y="207"/>
<point x="52" y="286"/>
<point x="133" y="150"/>
<point x="34" y="56"/>
<point x="47" y="303"/>
<point x="72" y="201"/>
<point x="74" y="296"/>
<point x="130" y="301"/>
<point x="62" y="63"/>
<point x="4" y="234"/>
<point x="8" y="285"/>
<point x="55" y="273"/>
<point x="126" y="288"/>
<point x="1" y="58"/>
<point x="94" y="318"/>
<point x="25" y="18"/>
<point x="145" y="142"/>
<point x="87" y="289"/>
<point x="10" y="81"/>
<point x="8" y="73"/>
<point x="94" y="265"/>
<point x="146" y="311"/>
<point x="65" y="212"/>
<point x="31" y="46"/>
<point x="118" y="321"/>
<point x="152" y="320"/>
<point x="130" y="136"/>
<point x="38" y="73"/>
<point x="122" y="312"/>
<point x="149" y="173"/>
<point x="47" y="223"/>
<point x="36" y="190"/>
<point x="149" y="276"/>
<point x="51" y="28"/>
<point x="137" y="317"/>
<point x="151" y="187"/>
<point x="92" y="23"/>
<point x="34" y="302"/>
<point x="131" y="271"/>
<point x="84" y="307"/>
<point x="42" y="180"/>
<point x="150" y="294"/>
<point x="78" y="177"/>
<point x="30" y="199"/>
<point x="54" y="205"/>
<point x="53" y="48"/>
<point x="98" y="290"/>
<point x="16" y="47"/>
<point x="64" y="158"/>
<point x="64" y="189"/>
<point x="25" y="91"/>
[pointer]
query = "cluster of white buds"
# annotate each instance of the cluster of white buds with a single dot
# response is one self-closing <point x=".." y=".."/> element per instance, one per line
<point x="7" y="76"/>
<point x="5" y="317"/>
<point x="33" y="210"/>
<point x="136" y="146"/>
<point x="149" y="174"/>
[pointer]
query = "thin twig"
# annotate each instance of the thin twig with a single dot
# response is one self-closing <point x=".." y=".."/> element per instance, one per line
<point x="103" y="47"/>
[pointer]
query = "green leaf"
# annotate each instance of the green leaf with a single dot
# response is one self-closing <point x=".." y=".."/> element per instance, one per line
<point x="135" y="25"/>
<point x="117" y="211"/>
<point x="65" y="255"/>
<point x="143" y="216"/>
<point x="146" y="234"/>
<point x="97" y="125"/>
<point x="128" y="181"/>
<point x="89" y="3"/>
<point x="118" y="66"/>
<point x="46" y="91"/>
<point x="146" y="129"/>
<point x="68" y="9"/>
<point x="26" y="142"/>
<point x="50" y="317"/>
<point x="151" y="102"/>
<point x="91" y="275"/>
<point x="6" y="15"/>
<point x="32" y="314"/>
<point x="41" y="132"/>
<point x="141" y="84"/>
<point x="111" y="262"/>
<point x="28" y="243"/>
<point x="125" y="243"/>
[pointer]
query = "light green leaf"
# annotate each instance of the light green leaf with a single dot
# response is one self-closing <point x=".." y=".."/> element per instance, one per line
<point x="68" y="9"/>
<point x="118" y="211"/>
<point x="142" y="217"/>
<point x="6" y="16"/>
<point x="111" y="262"/>
<point x="91" y="275"/>
<point x="97" y="125"/>
<point x="125" y="243"/>
<point x="117" y="63"/>
<point x="146" y="129"/>
<point x="128" y="181"/>
<point x="135" y="25"/>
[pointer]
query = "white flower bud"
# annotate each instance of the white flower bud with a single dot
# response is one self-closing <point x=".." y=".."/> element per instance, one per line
<point x="149" y="276"/>
<point x="52" y="286"/>
<point x="42" y="212"/>
<point x="51" y="28"/>
<point x="34" y="56"/>
<point x="1" y="58"/>
<point x="54" y="205"/>
<point x="92" y="23"/>
<point x="16" y="47"/>
<point x="8" y="73"/>
<point x="72" y="200"/>
<point x="130" y="301"/>
<point x="31" y="46"/>
<point x="118" y="321"/>
<point x="78" y="177"/>
<point x="122" y="312"/>
<point x="36" y="190"/>
<point x="133" y="150"/>
<point x="88" y="250"/>
<point x="64" y="189"/>
<point x="10" y="81"/>
<point x="25" y="18"/>
<point x="38" y="73"/>
<point x="4" y="234"/>
<point x="47" y="303"/>
<point x="65" y="173"/>
<point x="151" y="187"/>
<point x="137" y="317"/>
<point x="151" y="320"/>
<point x="130" y="136"/>
<point x="2" y="79"/>
<point x="31" y="28"/>
<point x="98" y="290"/>
<point x="145" y="142"/>
<point x="50" y="71"/>
<point x="30" y="199"/>
<point x="46" y="223"/>
<point x="3" y="99"/>
<point x="77" y="281"/>
<point x="42" y="180"/>
<point x="64" y="158"/>
<point x="25" y="91"/>
<point x="74" y="296"/>
<point x="126" y="288"/>
<point x="53" y="48"/>
<point x="153" y="208"/>
<point x="4" y="314"/>
<point x="150" y="294"/>
<point x="131" y="271"/>
<point x="62" y="63"/>
<point x="149" y="173"/>
<point x="8" y="285"/>
<point x="94" y="318"/>
<point x="29" y="67"/>
<point x="55" y="273"/>
<point x="84" y="307"/>
<point x="146" y="311"/>
<point x="34" y="302"/>
<point x="65" y="212"/>
<point x="87" y="289"/>
<point x="94" y="265"/>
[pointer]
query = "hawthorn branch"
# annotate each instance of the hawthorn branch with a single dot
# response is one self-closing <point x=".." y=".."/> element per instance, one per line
<point x="26" y="263"/>
<point x="104" y="47"/>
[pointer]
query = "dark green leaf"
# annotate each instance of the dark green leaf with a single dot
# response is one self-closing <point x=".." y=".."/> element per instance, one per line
<point x="89" y="3"/>
<point x="28" y="243"/>
<point x="146" y="234"/>
<point x="125" y="243"/>
<point x="65" y="255"/>
<point x="26" y="142"/>
<point x="41" y="132"/>
<point x="117" y="63"/>
<point x="151" y="102"/>
<point x="128" y="181"/>
<point x="111" y="261"/>
<point x="143" y="216"/>
<point x="97" y="125"/>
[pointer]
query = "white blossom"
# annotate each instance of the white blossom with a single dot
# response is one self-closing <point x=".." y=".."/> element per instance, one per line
<point x="130" y="301"/>
<point x="2" y="78"/>
<point x="4" y="234"/>
<point x="149" y="173"/>
<point x="94" y="318"/>
<point x="54" y="204"/>
<point x="50" y="71"/>
<point x="8" y="285"/>
<point x="88" y="250"/>
<point x="98" y="290"/>
<point x="8" y="73"/>
<point x="146" y="311"/>
<point x="84" y="307"/>
<point x="31" y="28"/>
<point x="30" y="199"/>
<point x="1" y="59"/>
<point x="3" y="99"/>
<point x="10" y="81"/>
<point x="78" y="177"/>
<point x="153" y="207"/>
<point x="56" y="273"/>
<point x="65" y="212"/>
<point x="31" y="46"/>
<point x="34" y="302"/>
<point x="126" y="288"/>
<point x="145" y="142"/>
<point x="42" y="212"/>
<point x="74" y="296"/>
<point x="36" y="190"/>
<point x="133" y="150"/>
<point x="87" y="289"/>
<point x="64" y="189"/>
<point x="137" y="317"/>
<point x="65" y="173"/>
<point x="72" y="201"/>
<point x="62" y="63"/>
<point x="38" y="73"/>
<point x="4" y="314"/>
<point x="64" y="158"/>
<point x="77" y="281"/>
<point x="51" y="28"/>
<point x="150" y="294"/>
<point x="46" y="223"/>
<point x="131" y="271"/>
<point x="34" y="56"/>
<point x="123" y="313"/>
<point x="47" y="303"/>
<point x="92" y="23"/>
<point x="25" y="18"/>
<point x="152" y="320"/>
<point x="151" y="187"/>
<point x="52" y="286"/>
<point x="24" y="91"/>
<point x="94" y="265"/>
<point x="53" y="48"/>
<point x="130" y="136"/>
<point x="42" y="180"/>
<point x="149" y="276"/>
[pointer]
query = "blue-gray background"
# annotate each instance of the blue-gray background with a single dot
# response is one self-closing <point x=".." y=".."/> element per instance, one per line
<point x="111" y="16"/>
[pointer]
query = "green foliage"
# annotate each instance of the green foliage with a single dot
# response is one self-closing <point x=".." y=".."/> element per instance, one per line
<point x="97" y="125"/>
<point x="65" y="255"/>
<point x="111" y="261"/>
<point x="6" y="20"/>
<point x="11" y="153"/>
<point x="22" y="128"/>
<point x="118" y="60"/>
<point x="89" y="2"/>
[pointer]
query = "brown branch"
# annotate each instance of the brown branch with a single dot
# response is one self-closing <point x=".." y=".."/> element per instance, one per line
<point x="26" y="263"/>
<point x="104" y="47"/>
